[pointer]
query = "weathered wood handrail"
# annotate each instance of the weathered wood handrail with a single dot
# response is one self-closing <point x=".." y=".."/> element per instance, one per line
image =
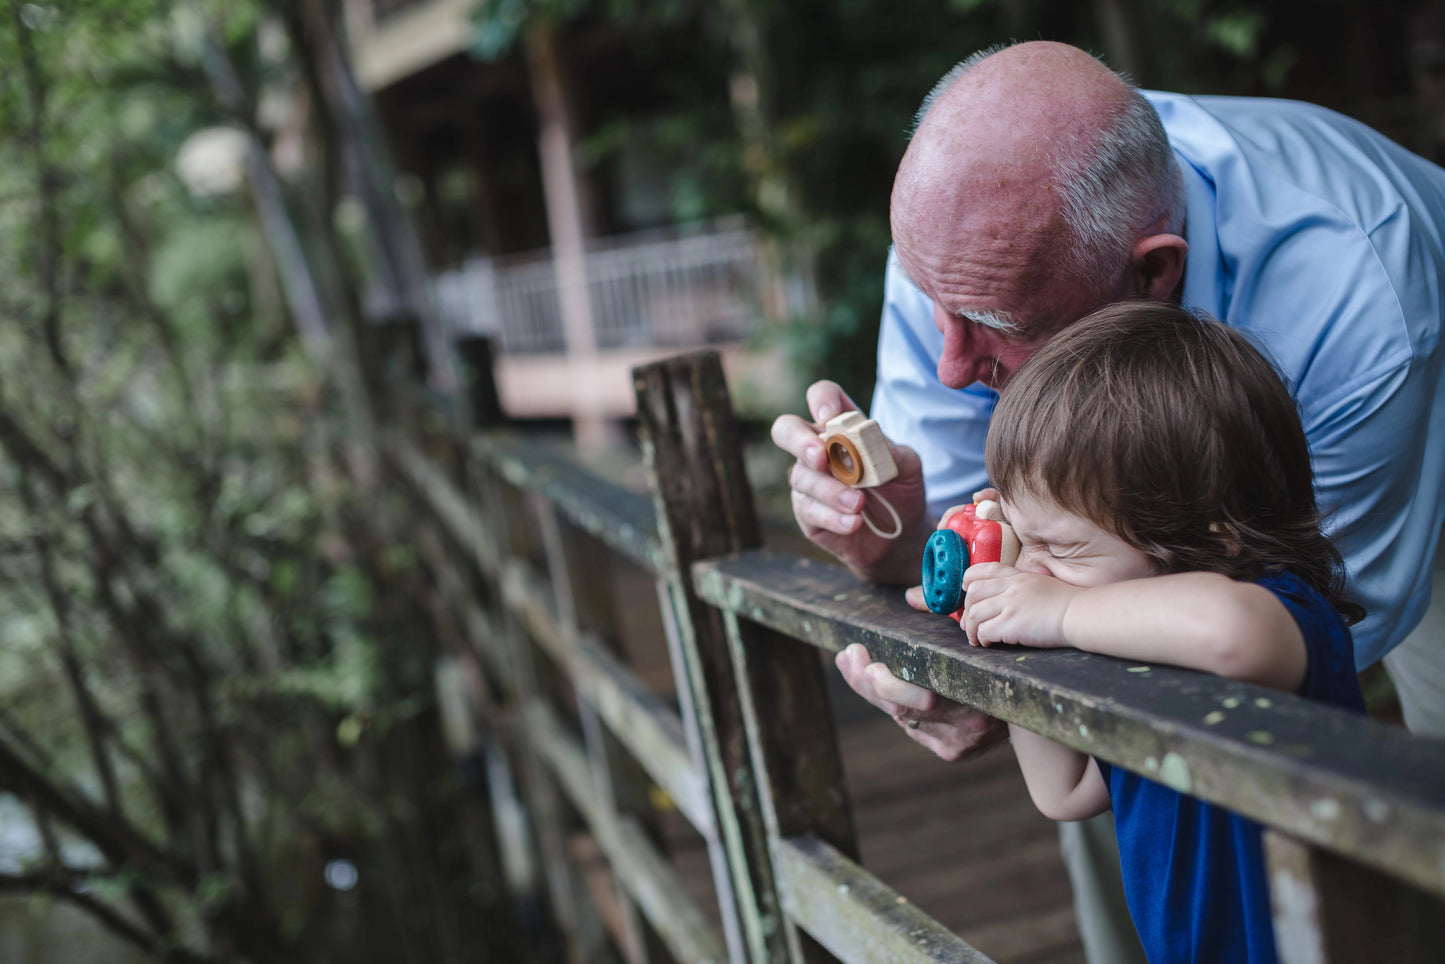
<point x="1361" y="788"/>
<point x="743" y="627"/>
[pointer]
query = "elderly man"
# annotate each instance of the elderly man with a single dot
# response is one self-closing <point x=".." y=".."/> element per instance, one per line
<point x="1039" y="186"/>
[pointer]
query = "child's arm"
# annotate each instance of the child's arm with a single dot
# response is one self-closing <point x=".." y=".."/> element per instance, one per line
<point x="1197" y="620"/>
<point x="1063" y="783"/>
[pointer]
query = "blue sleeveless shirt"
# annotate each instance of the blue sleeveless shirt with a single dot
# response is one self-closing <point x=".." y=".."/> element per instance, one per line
<point x="1194" y="873"/>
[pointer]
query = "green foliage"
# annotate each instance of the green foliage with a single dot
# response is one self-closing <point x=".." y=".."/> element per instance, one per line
<point x="840" y="86"/>
<point x="1237" y="31"/>
<point x="204" y="630"/>
<point x="497" y="25"/>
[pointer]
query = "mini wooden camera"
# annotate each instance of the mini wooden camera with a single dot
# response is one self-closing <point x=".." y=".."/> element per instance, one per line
<point x="857" y="451"/>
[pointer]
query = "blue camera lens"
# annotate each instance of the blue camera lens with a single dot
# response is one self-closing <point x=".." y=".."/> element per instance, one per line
<point x="945" y="556"/>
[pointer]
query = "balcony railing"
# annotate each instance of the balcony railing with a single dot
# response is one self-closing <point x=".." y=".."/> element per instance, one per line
<point x="647" y="290"/>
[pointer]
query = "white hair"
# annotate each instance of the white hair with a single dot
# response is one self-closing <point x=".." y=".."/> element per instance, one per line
<point x="996" y="319"/>
<point x="946" y="81"/>
<point x="1112" y="183"/>
<point x="1121" y="183"/>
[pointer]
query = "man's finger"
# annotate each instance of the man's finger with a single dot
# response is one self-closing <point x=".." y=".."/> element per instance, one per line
<point x="894" y="690"/>
<point x="853" y="663"/>
<point x="812" y="514"/>
<point x="822" y="487"/>
<point x="914" y="597"/>
<point x="827" y="399"/>
<point x="794" y="435"/>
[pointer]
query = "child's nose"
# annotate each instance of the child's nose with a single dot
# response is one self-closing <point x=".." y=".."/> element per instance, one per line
<point x="1031" y="560"/>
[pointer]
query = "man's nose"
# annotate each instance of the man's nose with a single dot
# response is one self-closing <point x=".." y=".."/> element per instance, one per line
<point x="965" y="342"/>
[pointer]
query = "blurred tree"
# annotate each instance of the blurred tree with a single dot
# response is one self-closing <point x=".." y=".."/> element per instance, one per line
<point x="215" y="672"/>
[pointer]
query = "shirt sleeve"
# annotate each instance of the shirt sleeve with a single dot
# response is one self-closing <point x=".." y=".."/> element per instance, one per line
<point x="946" y="427"/>
<point x="1330" y="677"/>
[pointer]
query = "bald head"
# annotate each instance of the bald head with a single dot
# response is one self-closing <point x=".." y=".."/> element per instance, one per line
<point x="1043" y="142"/>
<point x="1032" y="101"/>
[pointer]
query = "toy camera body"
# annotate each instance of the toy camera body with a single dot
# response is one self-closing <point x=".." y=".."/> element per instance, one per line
<point x="857" y="451"/>
<point x="968" y="535"/>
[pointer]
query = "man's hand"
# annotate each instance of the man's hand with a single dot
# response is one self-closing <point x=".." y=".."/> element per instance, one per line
<point x="950" y="730"/>
<point x="1004" y="605"/>
<point x="830" y="513"/>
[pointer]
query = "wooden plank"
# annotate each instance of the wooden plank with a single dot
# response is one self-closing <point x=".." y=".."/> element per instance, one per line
<point x="1330" y="911"/>
<point x="857" y="917"/>
<point x="1368" y="791"/>
<point x="606" y="893"/>
<point x="482" y="634"/>
<point x="465" y="525"/>
<point x="573" y="593"/>
<point x="1050" y="933"/>
<point x="623" y="520"/>
<point x="574" y="913"/>
<point x="793" y="745"/>
<point x="951" y="837"/>
<point x="692" y="449"/>
<point x="791" y="734"/>
<point x="637" y="863"/>
<point x="476" y="362"/>
<point x="648" y="727"/>
<point x="579" y="565"/>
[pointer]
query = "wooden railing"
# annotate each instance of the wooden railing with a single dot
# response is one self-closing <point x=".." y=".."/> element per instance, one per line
<point x="519" y="539"/>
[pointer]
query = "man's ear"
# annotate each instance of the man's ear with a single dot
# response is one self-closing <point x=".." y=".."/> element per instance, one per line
<point x="1156" y="266"/>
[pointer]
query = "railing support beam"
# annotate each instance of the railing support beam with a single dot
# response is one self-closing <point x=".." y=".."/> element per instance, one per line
<point x="693" y="451"/>
<point x="1329" y="910"/>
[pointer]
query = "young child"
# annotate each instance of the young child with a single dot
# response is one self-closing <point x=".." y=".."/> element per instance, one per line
<point x="1154" y="469"/>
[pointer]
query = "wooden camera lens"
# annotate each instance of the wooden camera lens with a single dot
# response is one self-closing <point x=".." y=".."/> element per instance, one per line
<point x="843" y="459"/>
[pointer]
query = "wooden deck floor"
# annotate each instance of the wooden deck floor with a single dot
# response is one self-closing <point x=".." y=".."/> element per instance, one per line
<point x="960" y="840"/>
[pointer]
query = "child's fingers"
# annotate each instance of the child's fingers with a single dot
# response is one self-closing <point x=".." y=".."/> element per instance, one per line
<point x="980" y="613"/>
<point x="982" y="577"/>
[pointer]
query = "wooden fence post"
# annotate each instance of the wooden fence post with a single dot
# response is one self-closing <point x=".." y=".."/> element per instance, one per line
<point x="1329" y="910"/>
<point x="476" y="361"/>
<point x="693" y="452"/>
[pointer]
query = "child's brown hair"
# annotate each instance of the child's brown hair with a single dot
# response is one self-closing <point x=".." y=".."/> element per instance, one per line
<point x="1174" y="432"/>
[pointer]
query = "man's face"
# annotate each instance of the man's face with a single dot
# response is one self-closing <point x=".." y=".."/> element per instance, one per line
<point x="994" y="303"/>
<point x="985" y="239"/>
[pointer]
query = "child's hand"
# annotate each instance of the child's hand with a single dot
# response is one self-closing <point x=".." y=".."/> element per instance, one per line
<point x="1005" y="605"/>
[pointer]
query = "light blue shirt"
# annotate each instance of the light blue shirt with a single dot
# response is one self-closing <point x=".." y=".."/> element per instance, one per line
<point x="1324" y="240"/>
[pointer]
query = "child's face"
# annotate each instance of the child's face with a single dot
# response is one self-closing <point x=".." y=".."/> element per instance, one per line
<point x="1070" y="548"/>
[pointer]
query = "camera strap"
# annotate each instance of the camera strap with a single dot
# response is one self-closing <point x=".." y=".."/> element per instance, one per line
<point x="897" y="523"/>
